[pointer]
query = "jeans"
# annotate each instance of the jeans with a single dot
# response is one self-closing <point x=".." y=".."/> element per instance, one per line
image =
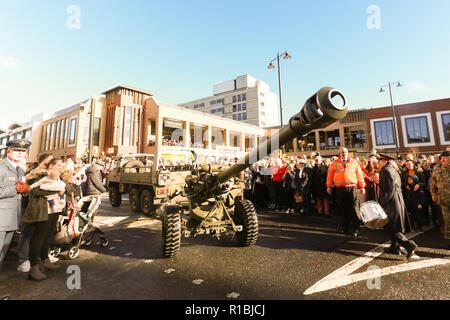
<point x="42" y="239"/>
<point x="23" y="250"/>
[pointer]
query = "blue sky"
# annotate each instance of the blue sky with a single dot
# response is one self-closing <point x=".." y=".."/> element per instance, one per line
<point x="178" y="49"/>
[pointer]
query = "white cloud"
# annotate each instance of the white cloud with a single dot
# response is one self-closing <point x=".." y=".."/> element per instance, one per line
<point x="10" y="62"/>
<point x="415" y="86"/>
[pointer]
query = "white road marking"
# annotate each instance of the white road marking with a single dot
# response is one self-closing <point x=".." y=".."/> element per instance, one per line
<point x="343" y="276"/>
<point x="111" y="220"/>
<point x="137" y="225"/>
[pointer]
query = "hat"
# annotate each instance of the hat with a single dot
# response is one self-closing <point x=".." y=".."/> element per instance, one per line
<point x="18" y="144"/>
<point x="385" y="157"/>
<point x="445" y="153"/>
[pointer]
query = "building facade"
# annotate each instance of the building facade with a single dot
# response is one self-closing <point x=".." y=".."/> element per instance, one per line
<point x="243" y="99"/>
<point x="422" y="127"/>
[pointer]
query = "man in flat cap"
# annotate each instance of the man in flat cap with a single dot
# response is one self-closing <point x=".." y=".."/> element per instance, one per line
<point x="391" y="199"/>
<point x="11" y="186"/>
<point x="440" y="192"/>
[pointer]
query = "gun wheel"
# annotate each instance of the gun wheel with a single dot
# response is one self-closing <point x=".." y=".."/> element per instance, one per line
<point x="245" y="215"/>
<point x="171" y="232"/>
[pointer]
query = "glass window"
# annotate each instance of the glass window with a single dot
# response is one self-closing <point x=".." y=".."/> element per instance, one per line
<point x="244" y="96"/>
<point x="234" y="108"/>
<point x="28" y="134"/>
<point x="239" y="98"/>
<point x="153" y="127"/>
<point x="66" y="129"/>
<point x="244" y="116"/>
<point x="61" y="134"/>
<point x="127" y="127"/>
<point x="73" y="130"/>
<point x="239" y="117"/>
<point x="96" y="133"/>
<point x="355" y="137"/>
<point x="244" y="106"/>
<point x="329" y="140"/>
<point x="417" y="130"/>
<point x="446" y="125"/>
<point x="384" y="133"/>
<point x="239" y="107"/>
<point x="234" y="117"/>
<point x="234" y="99"/>
<point x="212" y="102"/>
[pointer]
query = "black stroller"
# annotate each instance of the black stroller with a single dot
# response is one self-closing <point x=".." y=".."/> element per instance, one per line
<point x="77" y="228"/>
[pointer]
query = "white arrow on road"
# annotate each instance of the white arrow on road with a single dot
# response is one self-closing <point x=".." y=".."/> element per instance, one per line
<point x="343" y="276"/>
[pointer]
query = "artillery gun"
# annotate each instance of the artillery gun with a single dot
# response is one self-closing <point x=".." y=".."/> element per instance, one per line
<point x="212" y="200"/>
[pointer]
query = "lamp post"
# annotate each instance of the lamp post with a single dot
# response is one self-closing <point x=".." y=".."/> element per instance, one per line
<point x="285" y="56"/>
<point x="398" y="85"/>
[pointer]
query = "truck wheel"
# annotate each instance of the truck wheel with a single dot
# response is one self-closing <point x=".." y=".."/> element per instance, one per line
<point x="135" y="200"/>
<point x="245" y="215"/>
<point x="171" y="232"/>
<point x="115" y="197"/>
<point x="147" y="205"/>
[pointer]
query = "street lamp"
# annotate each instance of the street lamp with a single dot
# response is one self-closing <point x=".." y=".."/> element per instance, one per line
<point x="398" y="85"/>
<point x="285" y="56"/>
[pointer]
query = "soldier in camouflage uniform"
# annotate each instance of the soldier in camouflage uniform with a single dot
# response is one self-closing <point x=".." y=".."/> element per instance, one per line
<point x="440" y="191"/>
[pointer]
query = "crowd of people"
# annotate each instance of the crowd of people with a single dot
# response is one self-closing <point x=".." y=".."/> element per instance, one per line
<point x="36" y="197"/>
<point x="339" y="185"/>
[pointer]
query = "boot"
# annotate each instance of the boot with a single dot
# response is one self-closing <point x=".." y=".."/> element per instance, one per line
<point x="36" y="274"/>
<point x="412" y="250"/>
<point x="47" y="265"/>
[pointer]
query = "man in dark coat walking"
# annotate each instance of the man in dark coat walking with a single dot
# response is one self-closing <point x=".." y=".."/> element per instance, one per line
<point x="391" y="199"/>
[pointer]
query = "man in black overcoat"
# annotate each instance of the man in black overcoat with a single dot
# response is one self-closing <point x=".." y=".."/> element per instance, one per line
<point x="391" y="199"/>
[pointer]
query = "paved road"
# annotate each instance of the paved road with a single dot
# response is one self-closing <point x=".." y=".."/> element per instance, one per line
<point x="293" y="255"/>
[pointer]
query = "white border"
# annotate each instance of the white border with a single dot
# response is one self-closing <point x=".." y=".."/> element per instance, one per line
<point x="374" y="140"/>
<point x="430" y="130"/>
<point x="441" y="127"/>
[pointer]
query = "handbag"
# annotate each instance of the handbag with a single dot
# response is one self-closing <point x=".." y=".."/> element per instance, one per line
<point x="298" y="198"/>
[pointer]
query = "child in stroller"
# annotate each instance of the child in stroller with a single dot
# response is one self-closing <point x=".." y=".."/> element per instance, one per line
<point x="77" y="228"/>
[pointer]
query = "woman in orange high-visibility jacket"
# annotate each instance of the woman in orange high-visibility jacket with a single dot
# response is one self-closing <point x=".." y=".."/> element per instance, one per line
<point x="345" y="175"/>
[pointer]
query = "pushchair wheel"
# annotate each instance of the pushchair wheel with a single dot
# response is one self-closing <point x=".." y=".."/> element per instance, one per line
<point x="73" y="252"/>
<point x="55" y="251"/>
<point x="104" y="242"/>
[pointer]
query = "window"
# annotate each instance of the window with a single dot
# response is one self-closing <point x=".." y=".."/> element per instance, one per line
<point x="96" y="133"/>
<point x="212" y="102"/>
<point x="234" y="108"/>
<point x="234" y="99"/>
<point x="73" y="130"/>
<point x="443" y="122"/>
<point x="446" y="126"/>
<point x="153" y="127"/>
<point x="244" y="96"/>
<point x="127" y="127"/>
<point x="384" y="133"/>
<point x="239" y="117"/>
<point x="417" y="130"/>
<point x="244" y="116"/>
<point x="355" y="137"/>
<point x="239" y="107"/>
<point x="52" y="136"/>
<point x="234" y="117"/>
<point x="244" y="106"/>
<point x="66" y="131"/>
<point x="262" y="104"/>
<point x="27" y="134"/>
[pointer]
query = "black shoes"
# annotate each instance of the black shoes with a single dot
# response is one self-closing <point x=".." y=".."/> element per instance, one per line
<point x="412" y="250"/>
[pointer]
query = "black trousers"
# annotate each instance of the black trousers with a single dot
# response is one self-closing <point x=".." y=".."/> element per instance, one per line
<point x="348" y="204"/>
<point x="42" y="239"/>
<point x="278" y="185"/>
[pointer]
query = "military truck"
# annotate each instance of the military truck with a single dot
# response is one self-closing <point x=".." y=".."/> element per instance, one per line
<point x="146" y="179"/>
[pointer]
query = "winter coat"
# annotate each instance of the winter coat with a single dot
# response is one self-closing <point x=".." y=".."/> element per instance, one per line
<point x="319" y="181"/>
<point x="414" y="198"/>
<point x="37" y="209"/>
<point x="94" y="184"/>
<point x="391" y="199"/>
<point x="303" y="182"/>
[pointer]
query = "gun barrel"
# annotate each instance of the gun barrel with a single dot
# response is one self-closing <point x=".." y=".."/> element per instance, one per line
<point x="324" y="108"/>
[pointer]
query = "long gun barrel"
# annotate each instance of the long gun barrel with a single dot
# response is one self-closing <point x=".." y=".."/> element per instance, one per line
<point x="325" y="107"/>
